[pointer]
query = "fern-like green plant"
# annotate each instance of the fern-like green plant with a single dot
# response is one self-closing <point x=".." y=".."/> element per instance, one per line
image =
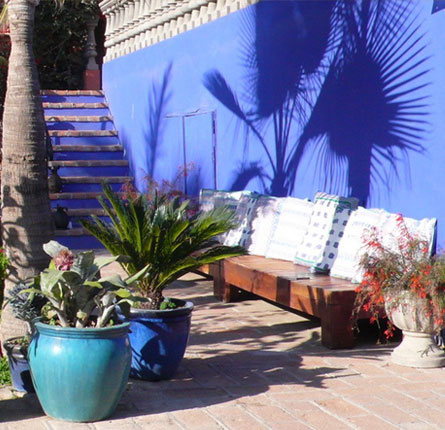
<point x="160" y="233"/>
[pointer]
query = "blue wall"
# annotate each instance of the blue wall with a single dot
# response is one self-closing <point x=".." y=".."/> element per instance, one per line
<point x="345" y="97"/>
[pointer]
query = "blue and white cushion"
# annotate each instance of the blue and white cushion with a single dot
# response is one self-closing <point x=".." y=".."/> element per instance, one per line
<point x="328" y="221"/>
<point x="244" y="214"/>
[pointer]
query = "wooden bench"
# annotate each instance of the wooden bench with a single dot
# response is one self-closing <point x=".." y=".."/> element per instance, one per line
<point x="283" y="282"/>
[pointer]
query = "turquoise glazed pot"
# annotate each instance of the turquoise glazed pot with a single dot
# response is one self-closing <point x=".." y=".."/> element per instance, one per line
<point x="79" y="374"/>
<point x="158" y="340"/>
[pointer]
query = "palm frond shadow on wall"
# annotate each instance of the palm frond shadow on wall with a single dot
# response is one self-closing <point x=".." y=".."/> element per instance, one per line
<point x="347" y="79"/>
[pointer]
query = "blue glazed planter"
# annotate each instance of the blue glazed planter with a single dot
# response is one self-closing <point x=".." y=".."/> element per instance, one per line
<point x="158" y="340"/>
<point x="79" y="374"/>
<point x="18" y="366"/>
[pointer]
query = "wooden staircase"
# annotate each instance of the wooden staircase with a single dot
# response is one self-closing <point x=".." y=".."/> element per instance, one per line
<point x="86" y="151"/>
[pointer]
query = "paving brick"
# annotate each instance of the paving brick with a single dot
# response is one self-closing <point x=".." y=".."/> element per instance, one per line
<point x="269" y="414"/>
<point x="321" y="420"/>
<point x="235" y="417"/>
<point x="341" y="407"/>
<point x="197" y="419"/>
<point x="395" y="415"/>
<point x="54" y="424"/>
<point x="371" y="422"/>
<point x="164" y="421"/>
<point x="129" y="424"/>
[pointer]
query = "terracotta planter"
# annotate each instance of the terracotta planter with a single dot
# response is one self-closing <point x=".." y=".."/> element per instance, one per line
<point x="417" y="348"/>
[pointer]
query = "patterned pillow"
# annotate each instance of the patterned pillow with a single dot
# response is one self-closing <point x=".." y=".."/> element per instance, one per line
<point x="244" y="213"/>
<point x="212" y="199"/>
<point x="328" y="220"/>
<point x="256" y="241"/>
<point x="291" y="223"/>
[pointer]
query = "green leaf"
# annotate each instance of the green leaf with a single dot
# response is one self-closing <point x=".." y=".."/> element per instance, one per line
<point x="53" y="248"/>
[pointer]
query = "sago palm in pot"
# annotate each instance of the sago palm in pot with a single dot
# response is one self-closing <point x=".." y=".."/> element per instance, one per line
<point x="162" y="234"/>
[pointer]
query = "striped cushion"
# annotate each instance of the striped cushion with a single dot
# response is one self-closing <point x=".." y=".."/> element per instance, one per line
<point x="351" y="247"/>
<point x="290" y="225"/>
<point x="257" y="240"/>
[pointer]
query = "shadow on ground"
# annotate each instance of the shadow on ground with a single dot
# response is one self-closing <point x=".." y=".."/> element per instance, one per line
<point x="233" y="353"/>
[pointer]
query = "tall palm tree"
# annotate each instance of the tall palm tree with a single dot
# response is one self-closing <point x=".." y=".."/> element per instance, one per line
<point x="26" y="212"/>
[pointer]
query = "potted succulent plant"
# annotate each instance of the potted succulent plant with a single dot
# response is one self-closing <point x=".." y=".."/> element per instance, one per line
<point x="80" y="354"/>
<point x="160" y="232"/>
<point x="401" y="277"/>
<point x="26" y="307"/>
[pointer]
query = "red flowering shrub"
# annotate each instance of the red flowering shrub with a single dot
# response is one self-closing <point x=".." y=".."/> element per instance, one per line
<point x="405" y="266"/>
<point x="165" y="191"/>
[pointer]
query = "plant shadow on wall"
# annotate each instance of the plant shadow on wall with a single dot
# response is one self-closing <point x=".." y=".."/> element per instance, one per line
<point x="159" y="96"/>
<point x="158" y="99"/>
<point x="346" y="79"/>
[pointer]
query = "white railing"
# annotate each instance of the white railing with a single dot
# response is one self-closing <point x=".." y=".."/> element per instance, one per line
<point x="136" y="24"/>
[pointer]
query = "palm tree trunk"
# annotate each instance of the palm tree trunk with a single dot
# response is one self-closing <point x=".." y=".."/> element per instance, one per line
<point x="26" y="213"/>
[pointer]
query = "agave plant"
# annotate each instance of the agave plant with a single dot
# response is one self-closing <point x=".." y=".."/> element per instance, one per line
<point x="161" y="234"/>
<point x="76" y="294"/>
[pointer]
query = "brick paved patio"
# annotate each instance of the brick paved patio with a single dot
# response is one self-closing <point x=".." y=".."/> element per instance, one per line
<point x="250" y="365"/>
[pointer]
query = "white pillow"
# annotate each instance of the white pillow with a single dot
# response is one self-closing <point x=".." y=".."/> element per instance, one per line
<point x="244" y="213"/>
<point x="264" y="213"/>
<point x="291" y="223"/>
<point x="352" y="246"/>
<point x="328" y="220"/>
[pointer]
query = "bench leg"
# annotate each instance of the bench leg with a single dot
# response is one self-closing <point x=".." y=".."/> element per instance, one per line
<point x="336" y="327"/>
<point x="225" y="292"/>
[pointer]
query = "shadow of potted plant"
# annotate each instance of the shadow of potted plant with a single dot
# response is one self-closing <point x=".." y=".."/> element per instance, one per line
<point x="161" y="232"/>
<point x="26" y="307"/>
<point x="79" y="355"/>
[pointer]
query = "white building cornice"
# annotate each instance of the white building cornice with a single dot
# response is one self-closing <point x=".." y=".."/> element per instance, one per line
<point x="136" y="24"/>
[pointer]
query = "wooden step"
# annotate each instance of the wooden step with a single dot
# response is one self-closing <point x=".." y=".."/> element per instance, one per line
<point x="67" y="105"/>
<point x="71" y="92"/>
<point x="81" y="133"/>
<point x="84" y="212"/>
<point x="87" y="148"/>
<point x="78" y="118"/>
<point x="78" y="231"/>
<point x="95" y="179"/>
<point x="87" y="163"/>
<point x="79" y="196"/>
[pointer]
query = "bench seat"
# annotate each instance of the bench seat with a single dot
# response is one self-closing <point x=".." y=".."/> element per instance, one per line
<point x="283" y="282"/>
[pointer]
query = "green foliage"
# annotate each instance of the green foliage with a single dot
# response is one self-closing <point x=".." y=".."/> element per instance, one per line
<point x="60" y="36"/>
<point x="5" y="376"/>
<point x="75" y="290"/>
<point x="162" y="234"/>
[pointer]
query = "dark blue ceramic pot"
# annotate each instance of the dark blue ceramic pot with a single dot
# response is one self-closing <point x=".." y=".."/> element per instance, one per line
<point x="158" y="340"/>
<point x="18" y="365"/>
<point x="79" y="374"/>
